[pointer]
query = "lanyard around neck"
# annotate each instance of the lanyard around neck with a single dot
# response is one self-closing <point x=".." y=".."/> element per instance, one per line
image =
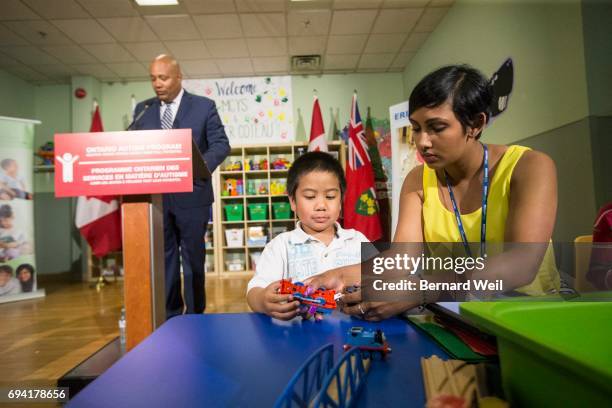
<point x="483" y="222"/>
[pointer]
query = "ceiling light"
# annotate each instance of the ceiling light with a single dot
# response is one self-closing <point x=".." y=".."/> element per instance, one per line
<point x="156" y="2"/>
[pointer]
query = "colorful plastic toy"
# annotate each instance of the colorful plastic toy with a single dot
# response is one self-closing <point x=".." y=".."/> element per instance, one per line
<point x="315" y="302"/>
<point x="372" y="343"/>
<point x="281" y="164"/>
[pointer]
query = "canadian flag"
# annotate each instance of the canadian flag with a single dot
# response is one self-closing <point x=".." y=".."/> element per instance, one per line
<point x="317" y="131"/>
<point x="98" y="218"/>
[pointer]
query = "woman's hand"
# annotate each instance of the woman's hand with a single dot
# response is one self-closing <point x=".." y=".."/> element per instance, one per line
<point x="336" y="279"/>
<point x="352" y="304"/>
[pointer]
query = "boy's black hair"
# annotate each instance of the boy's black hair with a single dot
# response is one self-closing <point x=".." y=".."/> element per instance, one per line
<point x="5" y="162"/>
<point x="21" y="267"/>
<point x="314" y="161"/>
<point x="465" y="87"/>
<point x="6" y="211"/>
<point x="7" y="269"/>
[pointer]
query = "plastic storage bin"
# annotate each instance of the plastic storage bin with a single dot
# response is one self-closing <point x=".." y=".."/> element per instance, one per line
<point x="551" y="353"/>
<point x="234" y="212"/>
<point x="258" y="211"/>
<point x="281" y="210"/>
<point x="234" y="237"/>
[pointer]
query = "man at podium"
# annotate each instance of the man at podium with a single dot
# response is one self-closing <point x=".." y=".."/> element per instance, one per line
<point x="186" y="215"/>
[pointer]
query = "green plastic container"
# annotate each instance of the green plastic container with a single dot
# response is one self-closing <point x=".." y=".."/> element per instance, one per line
<point x="234" y="212"/>
<point x="281" y="210"/>
<point x="552" y="354"/>
<point x="258" y="211"/>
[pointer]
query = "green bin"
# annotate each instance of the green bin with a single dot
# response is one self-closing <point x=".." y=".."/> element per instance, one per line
<point x="281" y="210"/>
<point x="234" y="212"/>
<point x="552" y="354"/>
<point x="258" y="211"/>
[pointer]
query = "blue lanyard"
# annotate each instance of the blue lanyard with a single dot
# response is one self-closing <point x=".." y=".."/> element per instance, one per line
<point x="485" y="194"/>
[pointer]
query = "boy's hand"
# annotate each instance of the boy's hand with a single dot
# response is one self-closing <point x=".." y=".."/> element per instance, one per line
<point x="281" y="307"/>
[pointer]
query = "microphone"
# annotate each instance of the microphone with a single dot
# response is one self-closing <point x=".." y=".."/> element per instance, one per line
<point x="137" y="118"/>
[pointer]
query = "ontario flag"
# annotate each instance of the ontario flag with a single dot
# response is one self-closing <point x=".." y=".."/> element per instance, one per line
<point x="98" y="217"/>
<point x="360" y="206"/>
<point x="317" y="131"/>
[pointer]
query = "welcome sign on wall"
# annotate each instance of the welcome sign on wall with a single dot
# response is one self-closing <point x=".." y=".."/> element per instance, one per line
<point x="256" y="110"/>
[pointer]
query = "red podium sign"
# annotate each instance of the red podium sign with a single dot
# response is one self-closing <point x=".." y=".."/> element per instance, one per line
<point x="121" y="163"/>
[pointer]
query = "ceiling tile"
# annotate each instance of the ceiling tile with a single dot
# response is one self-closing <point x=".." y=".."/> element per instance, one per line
<point x="146" y="51"/>
<point x="263" y="25"/>
<point x="109" y="52"/>
<point x="26" y="73"/>
<point x="371" y="61"/>
<point x="128" y="29"/>
<point x="128" y="69"/>
<point x="431" y="18"/>
<point x="267" y="47"/>
<point x="31" y="31"/>
<point x="209" y="6"/>
<point x="414" y="42"/>
<point x="404" y="3"/>
<point x="441" y="3"/>
<point x="56" y="71"/>
<point x="109" y="8"/>
<point x="270" y="65"/>
<point x="16" y="10"/>
<point x="310" y="5"/>
<point x="57" y="8"/>
<point x="6" y="61"/>
<point x="352" y="21"/>
<point x="384" y="43"/>
<point x="219" y="26"/>
<point x="228" y="48"/>
<point x="260" y="5"/>
<point x="161" y="10"/>
<point x="70" y="54"/>
<point x="199" y="67"/>
<point x="402" y="60"/>
<point x="188" y="50"/>
<point x="29" y="55"/>
<point x="8" y="37"/>
<point x="307" y="45"/>
<point x="309" y="22"/>
<point x="341" y="61"/>
<point x="346" y="44"/>
<point x="178" y="27"/>
<point x="237" y="66"/>
<point x="96" y="70"/>
<point x="356" y="4"/>
<point x="397" y="21"/>
<point x="84" y="31"/>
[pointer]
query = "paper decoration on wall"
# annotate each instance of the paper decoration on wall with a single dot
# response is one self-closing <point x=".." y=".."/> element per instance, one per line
<point x="255" y="110"/>
<point x="501" y="82"/>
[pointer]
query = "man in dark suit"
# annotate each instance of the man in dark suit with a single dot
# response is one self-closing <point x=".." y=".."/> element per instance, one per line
<point x="186" y="215"/>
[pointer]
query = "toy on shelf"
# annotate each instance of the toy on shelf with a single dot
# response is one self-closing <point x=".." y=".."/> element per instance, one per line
<point x="315" y="302"/>
<point x="46" y="152"/>
<point x="281" y="163"/>
<point x="235" y="165"/>
<point x="232" y="187"/>
<point x="278" y="187"/>
<point x="372" y="343"/>
<point x="262" y="189"/>
<point x="256" y="164"/>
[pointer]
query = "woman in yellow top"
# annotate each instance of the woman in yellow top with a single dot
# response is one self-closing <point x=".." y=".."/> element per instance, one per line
<point x="442" y="201"/>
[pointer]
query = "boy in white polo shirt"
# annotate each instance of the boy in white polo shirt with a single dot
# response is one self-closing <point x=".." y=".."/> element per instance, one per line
<point x="315" y="185"/>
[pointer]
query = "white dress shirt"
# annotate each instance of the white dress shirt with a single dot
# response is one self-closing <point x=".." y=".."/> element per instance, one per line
<point x="173" y="106"/>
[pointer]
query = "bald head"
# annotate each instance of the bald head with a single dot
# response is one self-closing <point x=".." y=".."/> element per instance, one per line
<point x="165" y="77"/>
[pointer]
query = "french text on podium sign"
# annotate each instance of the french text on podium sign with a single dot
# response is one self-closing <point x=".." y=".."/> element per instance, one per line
<point x="120" y="163"/>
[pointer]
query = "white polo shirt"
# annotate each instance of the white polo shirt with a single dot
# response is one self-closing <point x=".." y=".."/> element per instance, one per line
<point x="298" y="256"/>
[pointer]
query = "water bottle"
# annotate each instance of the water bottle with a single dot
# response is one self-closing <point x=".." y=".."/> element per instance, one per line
<point x="122" y="329"/>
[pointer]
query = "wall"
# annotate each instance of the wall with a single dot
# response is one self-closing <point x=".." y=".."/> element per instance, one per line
<point x="545" y="41"/>
<point x="335" y="91"/>
<point x="18" y="97"/>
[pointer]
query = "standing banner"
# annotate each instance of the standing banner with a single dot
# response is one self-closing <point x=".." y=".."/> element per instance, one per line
<point x="256" y="110"/>
<point x="17" y="260"/>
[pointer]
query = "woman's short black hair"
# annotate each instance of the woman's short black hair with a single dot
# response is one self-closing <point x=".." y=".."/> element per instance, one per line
<point x="314" y="161"/>
<point x="465" y="87"/>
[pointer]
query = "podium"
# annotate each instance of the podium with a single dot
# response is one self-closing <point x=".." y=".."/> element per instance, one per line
<point x="138" y="166"/>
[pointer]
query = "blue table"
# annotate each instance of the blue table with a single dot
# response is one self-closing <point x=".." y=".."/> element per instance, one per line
<point x="247" y="359"/>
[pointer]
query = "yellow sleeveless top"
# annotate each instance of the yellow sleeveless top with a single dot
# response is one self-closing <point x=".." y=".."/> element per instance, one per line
<point x="440" y="225"/>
